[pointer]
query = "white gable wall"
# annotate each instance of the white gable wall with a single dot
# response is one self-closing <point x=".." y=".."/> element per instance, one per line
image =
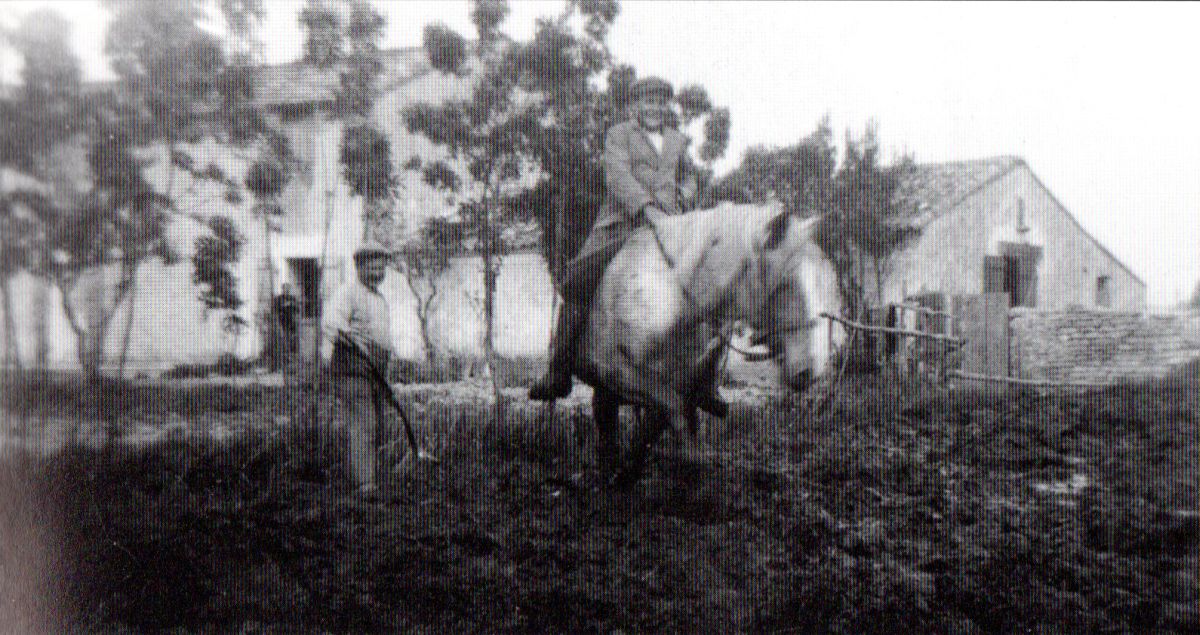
<point x="948" y="255"/>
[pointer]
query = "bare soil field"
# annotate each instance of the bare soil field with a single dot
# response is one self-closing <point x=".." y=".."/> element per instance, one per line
<point x="966" y="512"/>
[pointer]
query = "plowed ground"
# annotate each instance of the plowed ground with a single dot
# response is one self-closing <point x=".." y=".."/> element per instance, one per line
<point x="970" y="512"/>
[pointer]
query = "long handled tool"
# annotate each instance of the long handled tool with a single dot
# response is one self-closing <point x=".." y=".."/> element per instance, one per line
<point x="381" y="382"/>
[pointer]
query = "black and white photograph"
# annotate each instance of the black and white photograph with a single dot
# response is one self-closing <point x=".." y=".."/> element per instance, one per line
<point x="599" y="316"/>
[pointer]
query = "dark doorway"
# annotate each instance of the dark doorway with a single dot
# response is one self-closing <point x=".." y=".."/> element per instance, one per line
<point x="1103" y="291"/>
<point x="308" y="277"/>
<point x="1013" y="273"/>
<point x="1012" y="279"/>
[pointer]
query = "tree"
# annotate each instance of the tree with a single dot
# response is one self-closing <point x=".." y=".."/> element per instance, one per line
<point x="366" y="153"/>
<point x="41" y="113"/>
<point x="716" y="141"/>
<point x="799" y="177"/>
<point x="487" y="137"/>
<point x="266" y="179"/>
<point x="215" y="254"/>
<point x="426" y="258"/>
<point x="366" y="156"/>
<point x="98" y="217"/>
<point x="18" y="240"/>
<point x="528" y="142"/>
<point x="116" y="223"/>
<point x="82" y="230"/>
<point x="179" y="84"/>
<point x="860" y="232"/>
<point x="1194" y="303"/>
<point x="44" y="111"/>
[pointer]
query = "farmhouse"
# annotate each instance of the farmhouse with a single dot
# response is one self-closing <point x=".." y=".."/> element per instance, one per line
<point x="161" y="323"/>
<point x="991" y="225"/>
<point x="301" y="98"/>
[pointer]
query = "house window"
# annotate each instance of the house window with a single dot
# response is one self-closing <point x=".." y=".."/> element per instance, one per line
<point x="1103" y="291"/>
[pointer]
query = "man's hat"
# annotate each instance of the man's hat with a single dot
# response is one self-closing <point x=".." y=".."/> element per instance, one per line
<point x="370" y="247"/>
<point x="651" y="86"/>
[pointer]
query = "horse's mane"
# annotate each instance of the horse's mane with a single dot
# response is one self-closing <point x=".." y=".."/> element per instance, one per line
<point x="729" y="236"/>
<point x="740" y="228"/>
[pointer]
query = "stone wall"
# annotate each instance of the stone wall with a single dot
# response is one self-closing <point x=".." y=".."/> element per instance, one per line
<point x="1100" y="346"/>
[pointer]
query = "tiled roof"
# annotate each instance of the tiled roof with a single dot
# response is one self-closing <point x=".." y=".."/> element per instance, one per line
<point x="930" y="189"/>
<point x="298" y="83"/>
<point x="294" y="83"/>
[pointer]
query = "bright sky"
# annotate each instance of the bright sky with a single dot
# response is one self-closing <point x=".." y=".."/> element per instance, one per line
<point x="1101" y="100"/>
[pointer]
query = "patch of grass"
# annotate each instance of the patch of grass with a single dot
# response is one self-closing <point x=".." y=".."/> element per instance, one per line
<point x="512" y="371"/>
<point x="227" y="365"/>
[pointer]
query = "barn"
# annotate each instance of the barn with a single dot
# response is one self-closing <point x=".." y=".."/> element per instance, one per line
<point x="1015" y="274"/>
<point x="991" y="225"/>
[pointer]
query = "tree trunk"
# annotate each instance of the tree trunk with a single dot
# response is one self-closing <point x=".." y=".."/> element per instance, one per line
<point x="489" y="312"/>
<point x="41" y="321"/>
<point x="268" y="328"/>
<point x="316" y="363"/>
<point x="424" y="305"/>
<point x="427" y="340"/>
<point x="128" y="327"/>
<point x="269" y="254"/>
<point x="12" y="357"/>
<point x="426" y="337"/>
<point x="489" y="306"/>
<point x="81" y="352"/>
<point x="84" y="337"/>
<point x="558" y="246"/>
<point x="270" y="259"/>
<point x="89" y="361"/>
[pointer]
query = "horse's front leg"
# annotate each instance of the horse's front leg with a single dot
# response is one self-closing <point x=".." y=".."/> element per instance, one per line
<point x="651" y="423"/>
<point x="608" y="431"/>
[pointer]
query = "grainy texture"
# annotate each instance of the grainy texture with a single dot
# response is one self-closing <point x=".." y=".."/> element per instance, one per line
<point x="993" y="511"/>
<point x="1101" y="346"/>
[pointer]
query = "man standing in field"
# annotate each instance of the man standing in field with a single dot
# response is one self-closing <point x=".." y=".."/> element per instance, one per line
<point x="648" y="176"/>
<point x="360" y="312"/>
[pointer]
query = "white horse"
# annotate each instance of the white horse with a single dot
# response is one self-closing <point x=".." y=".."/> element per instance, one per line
<point x="662" y="315"/>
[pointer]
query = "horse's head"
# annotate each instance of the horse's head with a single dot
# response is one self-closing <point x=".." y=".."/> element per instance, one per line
<point x="797" y="281"/>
